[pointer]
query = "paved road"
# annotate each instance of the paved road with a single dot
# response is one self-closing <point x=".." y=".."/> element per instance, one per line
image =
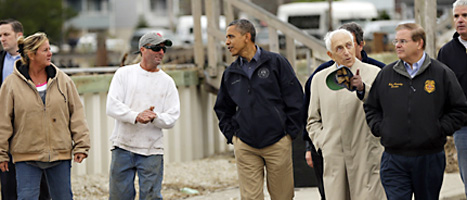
<point x="452" y="189"/>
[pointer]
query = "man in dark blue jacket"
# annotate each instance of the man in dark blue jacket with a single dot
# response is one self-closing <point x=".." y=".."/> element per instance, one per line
<point x="454" y="55"/>
<point x="413" y="104"/>
<point x="315" y="158"/>
<point x="259" y="109"/>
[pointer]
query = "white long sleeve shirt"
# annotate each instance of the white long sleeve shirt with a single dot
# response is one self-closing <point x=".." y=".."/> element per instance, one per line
<point x="132" y="91"/>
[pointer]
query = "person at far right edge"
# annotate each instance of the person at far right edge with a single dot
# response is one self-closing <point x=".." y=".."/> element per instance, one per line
<point x="454" y="55"/>
<point x="413" y="105"/>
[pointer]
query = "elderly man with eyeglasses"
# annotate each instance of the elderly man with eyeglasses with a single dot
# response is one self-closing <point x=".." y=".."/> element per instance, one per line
<point x="413" y="105"/>
<point x="336" y="123"/>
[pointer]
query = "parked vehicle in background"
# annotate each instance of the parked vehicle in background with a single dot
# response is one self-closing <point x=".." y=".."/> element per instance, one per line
<point x="185" y="28"/>
<point x="88" y="44"/>
<point x="387" y="27"/>
<point x="313" y="17"/>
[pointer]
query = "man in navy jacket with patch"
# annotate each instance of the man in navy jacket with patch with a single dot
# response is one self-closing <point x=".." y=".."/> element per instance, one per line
<point x="413" y="105"/>
<point x="259" y="109"/>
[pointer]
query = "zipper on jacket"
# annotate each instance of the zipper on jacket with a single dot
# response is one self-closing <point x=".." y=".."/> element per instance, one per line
<point x="45" y="113"/>
<point x="412" y="91"/>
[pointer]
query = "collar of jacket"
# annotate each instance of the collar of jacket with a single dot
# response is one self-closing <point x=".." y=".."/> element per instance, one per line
<point x="364" y="56"/>
<point x="23" y="70"/>
<point x="400" y="68"/>
<point x="265" y="56"/>
<point x="456" y="36"/>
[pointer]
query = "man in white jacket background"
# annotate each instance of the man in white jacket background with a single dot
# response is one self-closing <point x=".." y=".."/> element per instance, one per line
<point x="143" y="100"/>
<point x="336" y="125"/>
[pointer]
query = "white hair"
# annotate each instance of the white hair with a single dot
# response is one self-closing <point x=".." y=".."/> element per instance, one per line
<point x="459" y="3"/>
<point x="330" y="35"/>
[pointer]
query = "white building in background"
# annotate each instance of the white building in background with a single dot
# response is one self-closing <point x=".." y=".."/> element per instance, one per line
<point x="120" y="17"/>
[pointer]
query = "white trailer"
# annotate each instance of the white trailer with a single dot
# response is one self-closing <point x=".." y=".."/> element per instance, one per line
<point x="313" y="17"/>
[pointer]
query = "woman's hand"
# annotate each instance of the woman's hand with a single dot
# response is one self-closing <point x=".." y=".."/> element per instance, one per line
<point x="4" y="166"/>
<point x="79" y="157"/>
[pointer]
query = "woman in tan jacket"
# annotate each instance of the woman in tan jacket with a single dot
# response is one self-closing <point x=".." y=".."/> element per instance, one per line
<point x="42" y="122"/>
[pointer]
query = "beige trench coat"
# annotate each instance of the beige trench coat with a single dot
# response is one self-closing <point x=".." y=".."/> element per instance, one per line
<point x="337" y="126"/>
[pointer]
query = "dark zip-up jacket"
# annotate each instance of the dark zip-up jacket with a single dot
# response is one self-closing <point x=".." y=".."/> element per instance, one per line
<point x="454" y="55"/>
<point x="263" y="109"/>
<point x="413" y="116"/>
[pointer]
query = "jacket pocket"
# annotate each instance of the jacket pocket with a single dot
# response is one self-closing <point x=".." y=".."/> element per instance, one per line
<point x="31" y="134"/>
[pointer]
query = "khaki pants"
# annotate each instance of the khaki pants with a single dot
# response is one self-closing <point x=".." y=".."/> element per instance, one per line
<point x="250" y="167"/>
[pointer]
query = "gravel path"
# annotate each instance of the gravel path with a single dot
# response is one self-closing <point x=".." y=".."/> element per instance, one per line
<point x="205" y="175"/>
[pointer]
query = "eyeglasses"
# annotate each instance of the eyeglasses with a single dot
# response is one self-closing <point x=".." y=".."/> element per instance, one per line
<point x="156" y="48"/>
<point x="401" y="41"/>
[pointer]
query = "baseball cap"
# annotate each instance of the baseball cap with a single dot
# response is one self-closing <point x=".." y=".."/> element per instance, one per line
<point x="340" y="78"/>
<point x="153" y="38"/>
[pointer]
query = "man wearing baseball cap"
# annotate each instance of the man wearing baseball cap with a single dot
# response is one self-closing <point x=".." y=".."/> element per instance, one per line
<point x="143" y="100"/>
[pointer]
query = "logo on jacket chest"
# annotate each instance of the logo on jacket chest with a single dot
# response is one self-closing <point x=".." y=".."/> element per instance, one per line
<point x="395" y="85"/>
<point x="235" y="82"/>
<point x="430" y="86"/>
<point x="263" y="72"/>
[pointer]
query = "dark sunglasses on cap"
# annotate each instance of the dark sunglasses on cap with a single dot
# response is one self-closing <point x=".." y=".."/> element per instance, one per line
<point x="156" y="48"/>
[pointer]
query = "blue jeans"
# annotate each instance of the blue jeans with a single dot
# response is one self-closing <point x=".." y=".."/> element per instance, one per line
<point x="460" y="139"/>
<point x="403" y="176"/>
<point x="8" y="180"/>
<point x="123" y="168"/>
<point x="29" y="176"/>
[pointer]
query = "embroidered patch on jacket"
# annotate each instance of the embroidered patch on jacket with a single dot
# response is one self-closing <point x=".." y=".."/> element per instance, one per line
<point x="430" y="86"/>
<point x="395" y="85"/>
<point x="235" y="82"/>
<point x="263" y="72"/>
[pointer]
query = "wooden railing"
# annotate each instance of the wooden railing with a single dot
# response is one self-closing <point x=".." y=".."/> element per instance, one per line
<point x="216" y="37"/>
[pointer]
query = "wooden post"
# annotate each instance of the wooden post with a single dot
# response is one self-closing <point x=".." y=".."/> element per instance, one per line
<point x="212" y="14"/>
<point x="291" y="52"/>
<point x="273" y="39"/>
<point x="330" y="28"/>
<point x="101" y="55"/>
<point x="425" y="15"/>
<point x="229" y="17"/>
<point x="198" y="47"/>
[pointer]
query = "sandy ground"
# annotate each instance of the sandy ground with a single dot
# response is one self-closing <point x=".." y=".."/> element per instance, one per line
<point x="204" y="176"/>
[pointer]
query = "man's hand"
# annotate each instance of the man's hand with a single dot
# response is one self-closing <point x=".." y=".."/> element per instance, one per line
<point x="79" y="157"/>
<point x="4" y="166"/>
<point x="308" y="159"/>
<point x="146" y="116"/>
<point x="356" y="81"/>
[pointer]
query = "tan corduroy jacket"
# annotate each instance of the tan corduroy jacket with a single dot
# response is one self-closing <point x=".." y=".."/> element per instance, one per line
<point x="32" y="131"/>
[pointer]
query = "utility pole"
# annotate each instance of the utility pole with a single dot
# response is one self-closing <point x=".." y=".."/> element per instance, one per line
<point x="425" y="15"/>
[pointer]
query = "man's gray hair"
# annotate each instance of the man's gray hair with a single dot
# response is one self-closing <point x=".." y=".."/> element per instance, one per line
<point x="330" y="35"/>
<point x="458" y="3"/>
